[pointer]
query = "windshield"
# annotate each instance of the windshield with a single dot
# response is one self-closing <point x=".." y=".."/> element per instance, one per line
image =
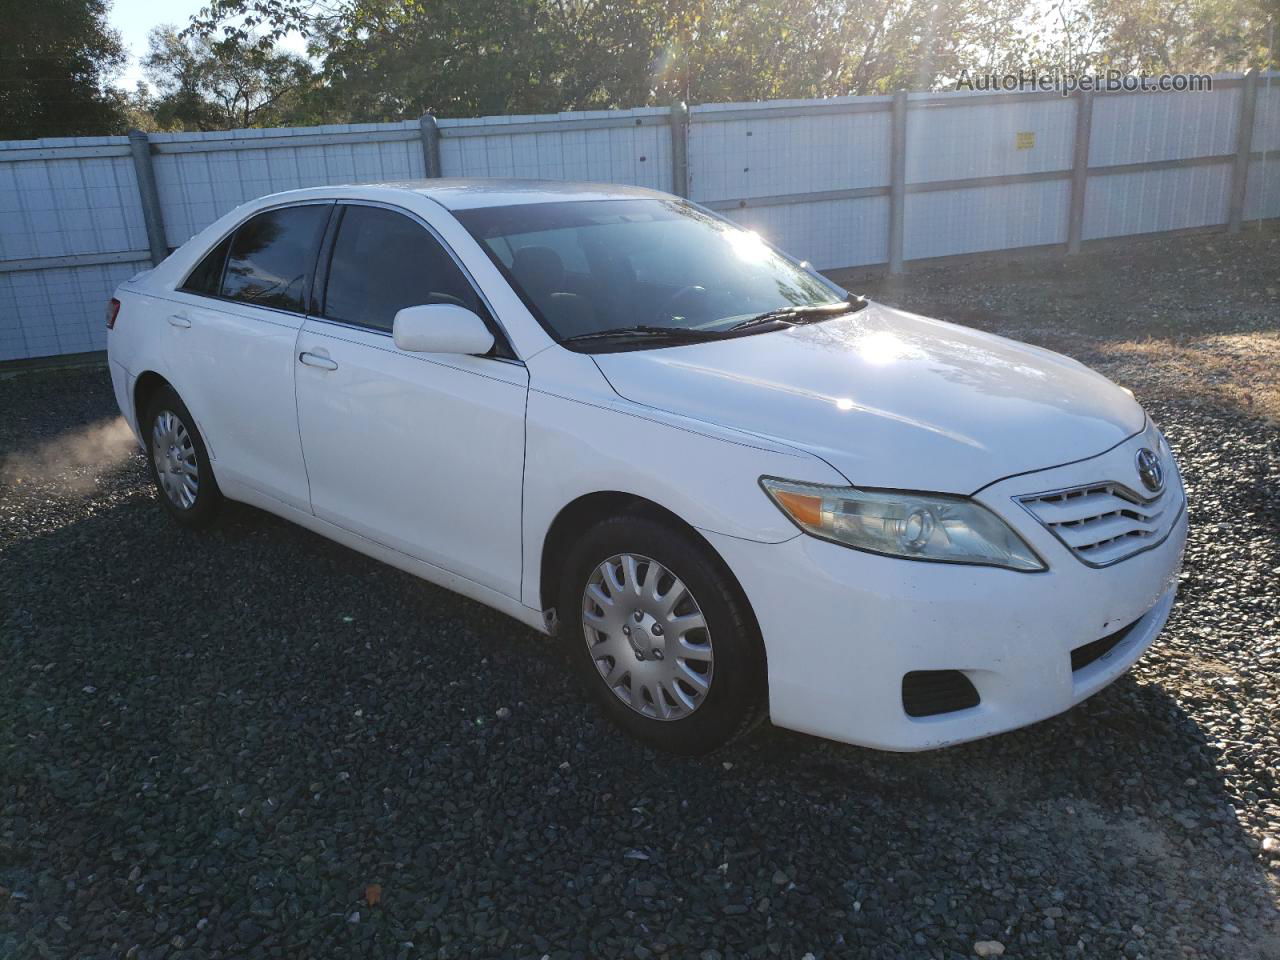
<point x="596" y="267"/>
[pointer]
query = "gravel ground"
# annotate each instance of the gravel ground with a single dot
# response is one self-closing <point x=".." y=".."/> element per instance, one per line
<point x="253" y="742"/>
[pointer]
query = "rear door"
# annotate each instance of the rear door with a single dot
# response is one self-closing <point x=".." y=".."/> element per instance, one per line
<point x="420" y="452"/>
<point x="230" y="344"/>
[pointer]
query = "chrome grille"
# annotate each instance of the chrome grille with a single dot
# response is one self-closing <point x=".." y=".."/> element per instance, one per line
<point x="1105" y="523"/>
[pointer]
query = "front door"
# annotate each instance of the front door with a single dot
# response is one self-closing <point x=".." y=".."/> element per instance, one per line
<point x="423" y="453"/>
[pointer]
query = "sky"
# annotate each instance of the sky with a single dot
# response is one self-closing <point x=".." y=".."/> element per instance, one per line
<point x="135" y="18"/>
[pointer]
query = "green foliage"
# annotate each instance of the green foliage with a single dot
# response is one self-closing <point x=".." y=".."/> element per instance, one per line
<point x="1170" y="36"/>
<point x="388" y="59"/>
<point x="206" y="85"/>
<point x="56" y="57"/>
<point x="394" y="59"/>
<point x="1154" y="36"/>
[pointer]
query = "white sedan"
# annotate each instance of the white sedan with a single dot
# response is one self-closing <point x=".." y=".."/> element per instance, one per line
<point x="733" y="488"/>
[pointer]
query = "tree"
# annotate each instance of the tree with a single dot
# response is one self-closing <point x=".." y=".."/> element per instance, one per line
<point x="1169" y="36"/>
<point x="56" y="61"/>
<point x="385" y="59"/>
<point x="394" y="59"/>
<point x="205" y="85"/>
<point x="1159" y="36"/>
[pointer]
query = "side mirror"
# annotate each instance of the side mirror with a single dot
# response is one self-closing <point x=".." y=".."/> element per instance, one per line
<point x="440" y="328"/>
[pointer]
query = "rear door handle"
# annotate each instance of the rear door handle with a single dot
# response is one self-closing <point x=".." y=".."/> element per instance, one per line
<point x="315" y="360"/>
<point x="177" y="320"/>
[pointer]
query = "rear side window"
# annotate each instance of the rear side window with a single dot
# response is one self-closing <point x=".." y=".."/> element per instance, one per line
<point x="207" y="276"/>
<point x="382" y="262"/>
<point x="271" y="257"/>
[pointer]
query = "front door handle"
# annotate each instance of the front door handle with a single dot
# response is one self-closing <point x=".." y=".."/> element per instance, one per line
<point x="177" y="320"/>
<point x="315" y="360"/>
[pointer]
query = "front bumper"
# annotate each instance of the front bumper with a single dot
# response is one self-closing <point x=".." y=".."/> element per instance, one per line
<point x="842" y="627"/>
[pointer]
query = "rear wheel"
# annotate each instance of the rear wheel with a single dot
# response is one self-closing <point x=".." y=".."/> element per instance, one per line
<point x="663" y="636"/>
<point x="178" y="461"/>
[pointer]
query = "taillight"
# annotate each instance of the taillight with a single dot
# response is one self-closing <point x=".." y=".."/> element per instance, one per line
<point x="113" y="309"/>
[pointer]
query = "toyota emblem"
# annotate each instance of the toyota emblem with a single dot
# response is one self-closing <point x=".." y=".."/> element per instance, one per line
<point x="1150" y="470"/>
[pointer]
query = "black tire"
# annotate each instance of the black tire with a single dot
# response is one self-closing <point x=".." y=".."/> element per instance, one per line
<point x="208" y="498"/>
<point x="734" y="703"/>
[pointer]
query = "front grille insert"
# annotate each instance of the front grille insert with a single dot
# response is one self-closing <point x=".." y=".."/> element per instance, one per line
<point x="1105" y="522"/>
<point x="927" y="693"/>
<point x="1081" y="657"/>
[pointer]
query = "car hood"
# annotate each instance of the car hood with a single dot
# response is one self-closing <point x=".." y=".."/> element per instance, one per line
<point x="891" y="399"/>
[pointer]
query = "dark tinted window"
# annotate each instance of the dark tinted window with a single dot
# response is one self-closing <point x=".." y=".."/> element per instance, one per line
<point x="207" y="275"/>
<point x="592" y="265"/>
<point x="382" y="262"/>
<point x="271" y="256"/>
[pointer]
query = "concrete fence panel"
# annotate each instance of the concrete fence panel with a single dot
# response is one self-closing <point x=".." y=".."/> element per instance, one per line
<point x="203" y="175"/>
<point x="829" y="233"/>
<point x="846" y="181"/>
<point x="745" y="152"/>
<point x="1152" y="201"/>
<point x="1262" y="196"/>
<point x="612" y="146"/>
<point x="1142" y="127"/>
<point x="960" y="136"/>
<point x="71" y="230"/>
<point x="942" y="223"/>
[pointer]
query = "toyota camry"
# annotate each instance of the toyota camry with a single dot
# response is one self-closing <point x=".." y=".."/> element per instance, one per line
<point x="733" y="488"/>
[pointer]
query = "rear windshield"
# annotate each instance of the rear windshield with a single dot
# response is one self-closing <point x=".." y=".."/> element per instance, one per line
<point x="591" y="265"/>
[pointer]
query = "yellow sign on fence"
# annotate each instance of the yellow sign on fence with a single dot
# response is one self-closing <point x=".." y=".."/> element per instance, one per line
<point x="1025" y="139"/>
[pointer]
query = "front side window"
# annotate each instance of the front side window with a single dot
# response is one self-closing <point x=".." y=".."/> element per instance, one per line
<point x="383" y="261"/>
<point x="271" y="257"/>
<point x="598" y="267"/>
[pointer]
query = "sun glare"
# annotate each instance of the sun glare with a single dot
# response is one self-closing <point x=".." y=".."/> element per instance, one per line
<point x="747" y="245"/>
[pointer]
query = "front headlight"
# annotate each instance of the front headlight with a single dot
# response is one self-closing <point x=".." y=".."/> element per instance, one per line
<point x="916" y="526"/>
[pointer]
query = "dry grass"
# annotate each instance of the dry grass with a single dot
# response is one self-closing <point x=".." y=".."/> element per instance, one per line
<point x="1241" y="369"/>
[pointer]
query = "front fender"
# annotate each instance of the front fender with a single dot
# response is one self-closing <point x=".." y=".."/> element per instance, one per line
<point x="576" y="447"/>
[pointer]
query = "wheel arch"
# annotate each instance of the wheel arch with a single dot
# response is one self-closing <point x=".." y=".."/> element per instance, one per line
<point x="144" y="388"/>
<point x="580" y="514"/>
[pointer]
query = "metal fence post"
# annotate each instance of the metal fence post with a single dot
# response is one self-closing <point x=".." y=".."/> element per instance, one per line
<point x="1080" y="170"/>
<point x="680" y="148"/>
<point x="148" y="195"/>
<point x="430" y="132"/>
<point x="897" y="180"/>
<point x="1244" y="147"/>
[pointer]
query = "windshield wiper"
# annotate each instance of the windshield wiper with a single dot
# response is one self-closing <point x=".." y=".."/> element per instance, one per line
<point x="653" y="333"/>
<point x="797" y="315"/>
<point x="647" y="332"/>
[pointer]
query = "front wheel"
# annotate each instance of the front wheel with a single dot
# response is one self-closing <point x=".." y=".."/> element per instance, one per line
<point x="178" y="461"/>
<point x="666" y="641"/>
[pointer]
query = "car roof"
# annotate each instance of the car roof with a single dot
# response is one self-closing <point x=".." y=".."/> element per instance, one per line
<point x="467" y="193"/>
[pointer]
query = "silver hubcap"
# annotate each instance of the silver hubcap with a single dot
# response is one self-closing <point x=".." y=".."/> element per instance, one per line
<point x="175" y="458"/>
<point x="647" y="637"/>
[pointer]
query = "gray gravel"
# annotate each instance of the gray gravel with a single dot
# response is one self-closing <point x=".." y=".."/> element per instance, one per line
<point x="253" y="742"/>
